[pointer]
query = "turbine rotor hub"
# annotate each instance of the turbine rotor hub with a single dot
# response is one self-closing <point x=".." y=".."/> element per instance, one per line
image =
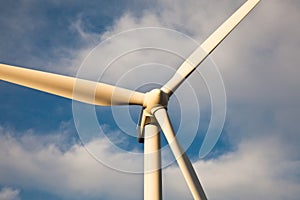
<point x="155" y="98"/>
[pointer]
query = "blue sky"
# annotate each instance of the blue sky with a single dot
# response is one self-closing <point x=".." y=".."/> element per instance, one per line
<point x="257" y="155"/>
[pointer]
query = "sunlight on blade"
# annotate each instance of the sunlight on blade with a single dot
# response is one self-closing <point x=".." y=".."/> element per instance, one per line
<point x="197" y="57"/>
<point x="69" y="87"/>
<point x="183" y="161"/>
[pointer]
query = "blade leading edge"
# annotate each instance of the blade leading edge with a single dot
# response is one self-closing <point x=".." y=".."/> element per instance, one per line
<point x="69" y="87"/>
<point x="197" y="57"/>
<point x="183" y="161"/>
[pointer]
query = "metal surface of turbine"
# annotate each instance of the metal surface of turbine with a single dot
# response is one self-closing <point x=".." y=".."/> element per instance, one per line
<point x="154" y="114"/>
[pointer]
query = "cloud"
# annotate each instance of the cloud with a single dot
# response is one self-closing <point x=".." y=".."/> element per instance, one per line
<point x="72" y="173"/>
<point x="7" y="193"/>
<point x="258" y="169"/>
<point x="258" y="60"/>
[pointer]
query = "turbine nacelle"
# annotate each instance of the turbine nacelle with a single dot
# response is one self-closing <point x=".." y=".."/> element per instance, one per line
<point x="154" y="98"/>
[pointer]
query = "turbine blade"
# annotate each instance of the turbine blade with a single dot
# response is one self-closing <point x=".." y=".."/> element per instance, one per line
<point x="70" y="87"/>
<point x="197" y="57"/>
<point x="183" y="161"/>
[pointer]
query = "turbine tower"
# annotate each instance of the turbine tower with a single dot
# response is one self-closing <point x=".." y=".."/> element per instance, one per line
<point x="154" y="114"/>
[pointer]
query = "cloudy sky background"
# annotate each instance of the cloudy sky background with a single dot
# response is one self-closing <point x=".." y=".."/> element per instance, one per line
<point x="257" y="155"/>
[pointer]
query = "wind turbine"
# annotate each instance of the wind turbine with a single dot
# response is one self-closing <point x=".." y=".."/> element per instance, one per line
<point x="154" y="114"/>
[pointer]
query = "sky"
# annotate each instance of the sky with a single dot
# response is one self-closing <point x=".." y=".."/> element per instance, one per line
<point x="46" y="152"/>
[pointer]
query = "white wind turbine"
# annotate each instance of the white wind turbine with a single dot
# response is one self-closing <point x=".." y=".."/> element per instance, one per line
<point x="154" y="103"/>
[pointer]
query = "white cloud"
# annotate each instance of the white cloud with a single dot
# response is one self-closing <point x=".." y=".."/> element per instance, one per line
<point x="7" y="193"/>
<point x="257" y="169"/>
<point x="71" y="174"/>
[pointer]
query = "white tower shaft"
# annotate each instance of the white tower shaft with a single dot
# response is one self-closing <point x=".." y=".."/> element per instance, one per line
<point x="152" y="161"/>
